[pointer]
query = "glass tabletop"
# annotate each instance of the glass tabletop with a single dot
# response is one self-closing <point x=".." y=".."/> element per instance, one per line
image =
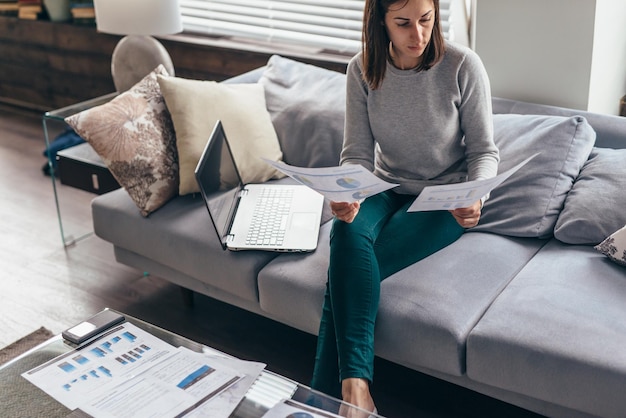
<point x="18" y="397"/>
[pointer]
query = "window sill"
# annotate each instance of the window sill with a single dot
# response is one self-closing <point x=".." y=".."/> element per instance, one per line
<point x="296" y="51"/>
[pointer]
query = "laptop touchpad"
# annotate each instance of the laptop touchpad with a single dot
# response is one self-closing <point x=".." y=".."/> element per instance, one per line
<point x="303" y="220"/>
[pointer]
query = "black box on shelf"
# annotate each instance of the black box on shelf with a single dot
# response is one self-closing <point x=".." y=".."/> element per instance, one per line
<point x="81" y="167"/>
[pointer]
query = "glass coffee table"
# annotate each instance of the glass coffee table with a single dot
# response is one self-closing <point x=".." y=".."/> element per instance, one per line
<point x="19" y="397"/>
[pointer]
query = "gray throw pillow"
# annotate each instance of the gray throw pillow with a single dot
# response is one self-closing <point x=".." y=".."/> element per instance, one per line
<point x="529" y="202"/>
<point x="596" y="205"/>
<point x="307" y="107"/>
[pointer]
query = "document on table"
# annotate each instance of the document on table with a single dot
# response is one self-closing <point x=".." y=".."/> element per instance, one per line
<point x="224" y="404"/>
<point x="128" y="370"/>
<point x="460" y="195"/>
<point x="346" y="183"/>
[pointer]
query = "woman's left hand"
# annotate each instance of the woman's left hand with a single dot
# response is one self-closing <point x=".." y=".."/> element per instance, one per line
<point x="468" y="217"/>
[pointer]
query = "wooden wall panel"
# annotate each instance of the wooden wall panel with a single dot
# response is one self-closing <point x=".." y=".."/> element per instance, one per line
<point x="46" y="65"/>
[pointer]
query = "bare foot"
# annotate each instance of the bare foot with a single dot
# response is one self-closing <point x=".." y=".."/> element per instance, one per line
<point x="356" y="391"/>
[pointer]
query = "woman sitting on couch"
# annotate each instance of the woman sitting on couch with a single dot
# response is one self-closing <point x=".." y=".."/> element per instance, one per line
<point x="418" y="113"/>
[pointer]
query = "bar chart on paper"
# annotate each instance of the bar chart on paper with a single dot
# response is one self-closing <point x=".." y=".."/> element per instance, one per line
<point x="116" y="356"/>
<point x="129" y="372"/>
<point x="448" y="199"/>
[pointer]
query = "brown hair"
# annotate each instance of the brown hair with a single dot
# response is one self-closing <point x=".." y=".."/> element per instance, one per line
<point x="375" y="41"/>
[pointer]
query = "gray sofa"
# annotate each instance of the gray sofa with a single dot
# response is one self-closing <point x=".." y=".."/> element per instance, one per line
<point x="522" y="308"/>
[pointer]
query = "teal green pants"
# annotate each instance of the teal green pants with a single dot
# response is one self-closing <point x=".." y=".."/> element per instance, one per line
<point x="383" y="239"/>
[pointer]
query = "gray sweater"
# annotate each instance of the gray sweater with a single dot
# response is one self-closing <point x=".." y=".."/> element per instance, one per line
<point x="422" y="128"/>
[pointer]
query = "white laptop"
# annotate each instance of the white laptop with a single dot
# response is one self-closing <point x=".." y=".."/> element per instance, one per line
<point x="270" y="217"/>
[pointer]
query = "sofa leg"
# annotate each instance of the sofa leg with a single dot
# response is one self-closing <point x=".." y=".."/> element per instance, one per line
<point x="187" y="295"/>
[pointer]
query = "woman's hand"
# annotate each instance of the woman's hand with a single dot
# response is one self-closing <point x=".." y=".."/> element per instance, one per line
<point x="345" y="211"/>
<point x="468" y="217"/>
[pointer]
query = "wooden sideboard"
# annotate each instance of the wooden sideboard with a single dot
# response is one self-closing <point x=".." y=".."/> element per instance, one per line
<point x="47" y="65"/>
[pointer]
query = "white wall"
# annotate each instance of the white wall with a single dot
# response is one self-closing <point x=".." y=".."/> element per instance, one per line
<point x="608" y="68"/>
<point x="567" y="53"/>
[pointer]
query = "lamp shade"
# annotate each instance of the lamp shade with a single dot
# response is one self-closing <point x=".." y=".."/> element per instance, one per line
<point x="138" y="17"/>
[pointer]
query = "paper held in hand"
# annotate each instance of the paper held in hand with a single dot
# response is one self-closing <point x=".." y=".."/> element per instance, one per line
<point x="460" y="195"/>
<point x="346" y="183"/>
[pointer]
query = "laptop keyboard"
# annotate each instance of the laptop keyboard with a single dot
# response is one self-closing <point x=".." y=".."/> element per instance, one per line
<point x="269" y="220"/>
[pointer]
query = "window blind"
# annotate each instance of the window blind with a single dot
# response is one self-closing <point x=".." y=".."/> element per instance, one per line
<point x="329" y="25"/>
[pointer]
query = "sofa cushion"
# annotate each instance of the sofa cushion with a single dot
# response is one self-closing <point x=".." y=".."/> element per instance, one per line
<point x="179" y="236"/>
<point x="528" y="203"/>
<point x="555" y="333"/>
<point x="307" y="105"/>
<point x="134" y="136"/>
<point x="596" y="205"/>
<point x="196" y="106"/>
<point x="426" y="310"/>
<point x="614" y="246"/>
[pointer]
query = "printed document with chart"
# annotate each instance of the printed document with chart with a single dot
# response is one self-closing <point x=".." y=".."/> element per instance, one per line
<point x="460" y="195"/>
<point x="130" y="372"/>
<point x="347" y="183"/>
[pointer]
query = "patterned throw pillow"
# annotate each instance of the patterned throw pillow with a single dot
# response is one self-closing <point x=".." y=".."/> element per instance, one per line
<point x="614" y="246"/>
<point x="134" y="136"/>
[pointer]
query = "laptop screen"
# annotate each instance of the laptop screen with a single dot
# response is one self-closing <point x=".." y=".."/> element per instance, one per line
<point x="219" y="181"/>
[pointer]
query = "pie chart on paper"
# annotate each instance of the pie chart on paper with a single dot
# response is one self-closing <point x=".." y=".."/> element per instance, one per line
<point x="361" y="194"/>
<point x="348" y="183"/>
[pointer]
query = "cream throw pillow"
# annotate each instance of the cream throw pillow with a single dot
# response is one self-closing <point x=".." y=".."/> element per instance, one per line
<point x="195" y="107"/>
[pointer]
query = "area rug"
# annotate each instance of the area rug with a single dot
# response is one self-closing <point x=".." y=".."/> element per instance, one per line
<point x="24" y="344"/>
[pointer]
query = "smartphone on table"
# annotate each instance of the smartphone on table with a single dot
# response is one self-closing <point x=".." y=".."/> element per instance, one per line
<point x="93" y="326"/>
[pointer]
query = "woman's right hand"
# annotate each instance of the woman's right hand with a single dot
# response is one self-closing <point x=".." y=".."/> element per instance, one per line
<point x="345" y="211"/>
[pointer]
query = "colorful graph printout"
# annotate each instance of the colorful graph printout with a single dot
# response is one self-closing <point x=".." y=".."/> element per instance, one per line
<point x="460" y="195"/>
<point x="130" y="372"/>
<point x="340" y="184"/>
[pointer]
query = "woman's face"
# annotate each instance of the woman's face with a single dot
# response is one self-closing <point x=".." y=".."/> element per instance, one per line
<point x="409" y="24"/>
